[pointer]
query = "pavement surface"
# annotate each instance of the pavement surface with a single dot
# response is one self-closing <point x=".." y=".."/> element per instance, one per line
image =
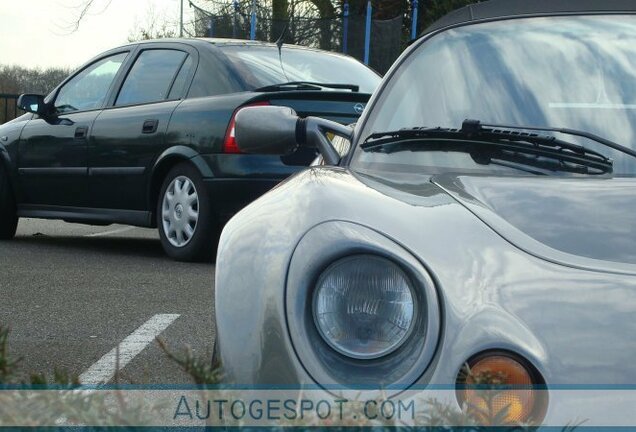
<point x="72" y="294"/>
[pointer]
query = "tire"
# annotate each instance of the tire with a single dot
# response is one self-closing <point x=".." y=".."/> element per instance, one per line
<point x="186" y="221"/>
<point x="8" y="216"/>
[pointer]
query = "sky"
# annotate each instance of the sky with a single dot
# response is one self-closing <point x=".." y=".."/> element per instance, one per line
<point x="38" y="33"/>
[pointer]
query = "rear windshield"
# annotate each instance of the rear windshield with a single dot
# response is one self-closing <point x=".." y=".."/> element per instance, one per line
<point x="261" y="66"/>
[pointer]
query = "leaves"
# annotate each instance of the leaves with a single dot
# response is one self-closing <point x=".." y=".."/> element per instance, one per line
<point x="7" y="367"/>
<point x="202" y="370"/>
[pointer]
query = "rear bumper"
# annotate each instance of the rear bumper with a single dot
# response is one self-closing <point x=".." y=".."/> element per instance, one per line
<point x="254" y="166"/>
<point x="235" y="180"/>
<point x="230" y="195"/>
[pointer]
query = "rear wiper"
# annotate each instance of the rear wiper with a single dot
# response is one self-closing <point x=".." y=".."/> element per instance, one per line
<point x="307" y="85"/>
<point x="504" y="138"/>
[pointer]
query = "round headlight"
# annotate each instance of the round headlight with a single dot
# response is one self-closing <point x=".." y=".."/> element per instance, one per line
<point x="364" y="306"/>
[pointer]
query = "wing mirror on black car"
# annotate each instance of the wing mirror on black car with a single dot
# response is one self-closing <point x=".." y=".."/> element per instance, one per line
<point x="32" y="103"/>
<point x="278" y="130"/>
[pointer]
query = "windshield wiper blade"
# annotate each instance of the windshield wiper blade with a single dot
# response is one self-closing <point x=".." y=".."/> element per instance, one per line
<point x="307" y="85"/>
<point x="478" y="126"/>
<point x="511" y="140"/>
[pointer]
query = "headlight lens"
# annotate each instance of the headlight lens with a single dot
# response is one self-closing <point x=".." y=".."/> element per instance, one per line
<point x="364" y="306"/>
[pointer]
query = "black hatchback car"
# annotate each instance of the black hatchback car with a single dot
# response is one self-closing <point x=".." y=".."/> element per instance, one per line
<point x="144" y="135"/>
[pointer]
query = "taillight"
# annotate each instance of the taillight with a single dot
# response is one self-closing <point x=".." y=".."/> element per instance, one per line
<point x="229" y="145"/>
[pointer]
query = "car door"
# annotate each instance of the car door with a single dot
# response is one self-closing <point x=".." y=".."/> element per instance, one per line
<point x="129" y="134"/>
<point x="53" y="149"/>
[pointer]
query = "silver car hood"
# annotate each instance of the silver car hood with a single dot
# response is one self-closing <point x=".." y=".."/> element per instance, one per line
<point x="583" y="222"/>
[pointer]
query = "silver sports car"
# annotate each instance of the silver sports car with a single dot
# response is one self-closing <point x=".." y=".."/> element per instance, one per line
<point x="483" y="215"/>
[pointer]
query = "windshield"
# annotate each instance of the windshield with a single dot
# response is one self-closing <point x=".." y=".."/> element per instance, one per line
<point x="260" y="66"/>
<point x="575" y="72"/>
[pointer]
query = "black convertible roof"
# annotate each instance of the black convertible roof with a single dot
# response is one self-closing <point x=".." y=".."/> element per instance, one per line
<point x="515" y="8"/>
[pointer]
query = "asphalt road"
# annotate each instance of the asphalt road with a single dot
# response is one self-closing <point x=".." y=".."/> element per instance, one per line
<point x="72" y="293"/>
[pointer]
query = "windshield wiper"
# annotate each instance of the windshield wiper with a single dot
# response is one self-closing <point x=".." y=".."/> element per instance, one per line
<point x="508" y="142"/>
<point x="476" y="124"/>
<point x="307" y="85"/>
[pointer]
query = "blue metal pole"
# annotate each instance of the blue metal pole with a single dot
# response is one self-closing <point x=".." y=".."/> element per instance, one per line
<point x="234" y="19"/>
<point x="345" y="28"/>
<point x="253" y="24"/>
<point x="367" y="34"/>
<point x="414" y="20"/>
<point x="211" y="27"/>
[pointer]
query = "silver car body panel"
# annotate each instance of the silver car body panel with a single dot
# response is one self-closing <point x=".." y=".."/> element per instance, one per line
<point x="574" y="325"/>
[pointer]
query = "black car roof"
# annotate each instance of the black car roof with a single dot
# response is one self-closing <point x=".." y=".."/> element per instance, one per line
<point x="220" y="42"/>
<point x="228" y="42"/>
<point x="515" y="8"/>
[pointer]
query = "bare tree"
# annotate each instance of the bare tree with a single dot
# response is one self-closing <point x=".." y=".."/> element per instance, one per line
<point x="83" y="9"/>
<point x="154" y="26"/>
<point x="17" y="79"/>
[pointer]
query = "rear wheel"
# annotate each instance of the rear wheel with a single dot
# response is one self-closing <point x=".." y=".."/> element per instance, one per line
<point x="8" y="216"/>
<point x="185" y="219"/>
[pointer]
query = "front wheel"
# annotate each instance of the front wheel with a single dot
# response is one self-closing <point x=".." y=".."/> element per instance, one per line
<point x="186" y="222"/>
<point x="8" y="216"/>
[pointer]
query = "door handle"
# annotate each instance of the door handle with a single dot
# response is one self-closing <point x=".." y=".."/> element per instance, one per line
<point x="150" y="126"/>
<point x="80" y="132"/>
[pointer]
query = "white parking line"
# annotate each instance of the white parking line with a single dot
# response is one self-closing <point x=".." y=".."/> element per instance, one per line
<point x="106" y="367"/>
<point x="111" y="232"/>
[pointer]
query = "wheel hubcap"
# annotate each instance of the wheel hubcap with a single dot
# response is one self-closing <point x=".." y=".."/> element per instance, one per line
<point x="180" y="211"/>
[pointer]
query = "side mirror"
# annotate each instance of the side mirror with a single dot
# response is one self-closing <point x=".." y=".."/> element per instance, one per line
<point x="266" y="130"/>
<point x="32" y="103"/>
<point x="278" y="130"/>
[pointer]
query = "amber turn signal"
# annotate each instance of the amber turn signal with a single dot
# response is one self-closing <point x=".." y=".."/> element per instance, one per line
<point x="500" y="389"/>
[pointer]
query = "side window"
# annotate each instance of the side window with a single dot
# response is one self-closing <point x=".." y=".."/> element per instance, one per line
<point x="180" y="81"/>
<point x="87" y="90"/>
<point x="214" y="77"/>
<point x="150" y="77"/>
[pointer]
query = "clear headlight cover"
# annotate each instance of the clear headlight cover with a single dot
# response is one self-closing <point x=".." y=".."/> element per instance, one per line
<point x="364" y="306"/>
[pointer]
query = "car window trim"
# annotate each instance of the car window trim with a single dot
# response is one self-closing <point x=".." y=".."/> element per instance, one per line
<point x="174" y="78"/>
<point x="188" y="50"/>
<point x="114" y="107"/>
<point x="125" y="64"/>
